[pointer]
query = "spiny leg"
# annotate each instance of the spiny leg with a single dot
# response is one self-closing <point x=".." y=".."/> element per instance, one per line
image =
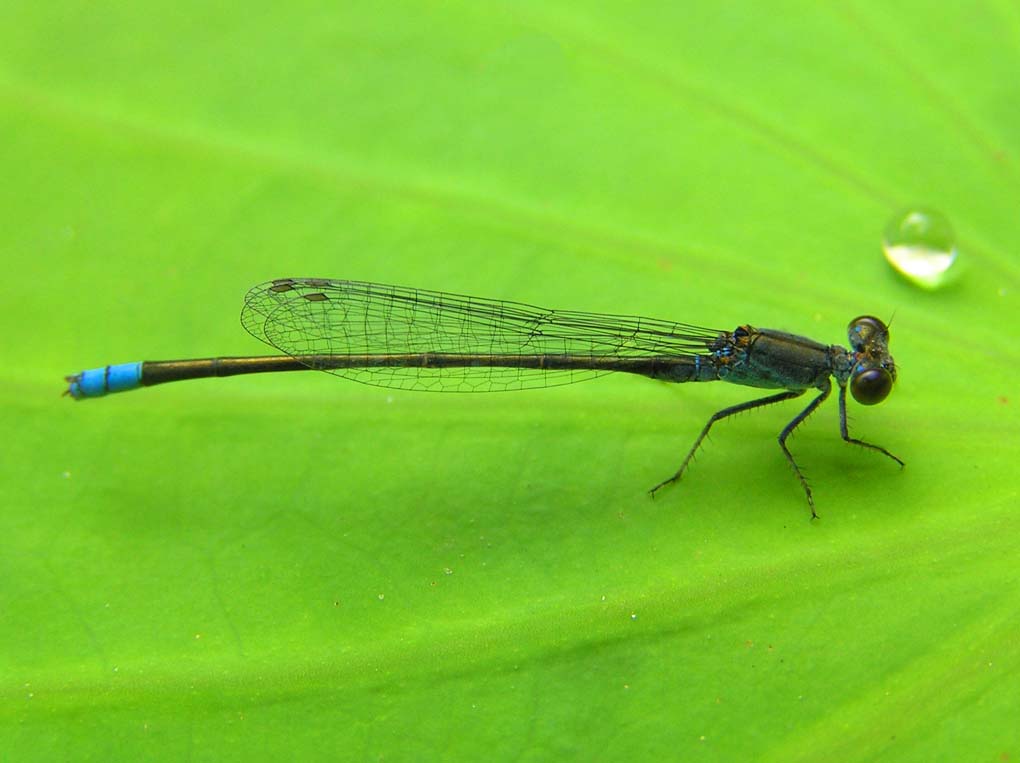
<point x="718" y="416"/>
<point x="845" y="432"/>
<point x="788" y="430"/>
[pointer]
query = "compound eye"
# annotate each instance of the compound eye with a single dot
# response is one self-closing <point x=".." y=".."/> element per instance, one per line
<point x="864" y="329"/>
<point x="872" y="386"/>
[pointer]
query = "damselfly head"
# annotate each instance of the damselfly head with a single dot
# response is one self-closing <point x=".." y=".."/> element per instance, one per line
<point x="874" y="370"/>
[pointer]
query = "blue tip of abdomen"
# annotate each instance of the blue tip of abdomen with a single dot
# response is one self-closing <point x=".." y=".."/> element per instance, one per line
<point x="97" y="382"/>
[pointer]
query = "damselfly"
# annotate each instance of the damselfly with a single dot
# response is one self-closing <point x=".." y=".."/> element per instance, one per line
<point x="393" y="336"/>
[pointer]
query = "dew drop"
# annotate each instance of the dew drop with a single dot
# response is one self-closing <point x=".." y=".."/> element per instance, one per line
<point x="920" y="244"/>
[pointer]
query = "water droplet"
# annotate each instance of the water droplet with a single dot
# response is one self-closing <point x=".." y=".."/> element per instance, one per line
<point x="920" y="244"/>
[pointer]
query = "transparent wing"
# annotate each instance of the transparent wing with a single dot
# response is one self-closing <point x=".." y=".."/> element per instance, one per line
<point x="305" y="317"/>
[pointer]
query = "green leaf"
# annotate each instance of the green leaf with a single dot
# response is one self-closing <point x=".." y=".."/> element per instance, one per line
<point x="297" y="567"/>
